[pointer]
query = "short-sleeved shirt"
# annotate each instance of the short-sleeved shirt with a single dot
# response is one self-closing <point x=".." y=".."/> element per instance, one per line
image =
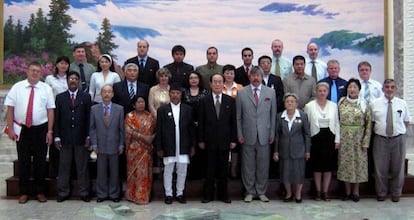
<point x="399" y="112"/>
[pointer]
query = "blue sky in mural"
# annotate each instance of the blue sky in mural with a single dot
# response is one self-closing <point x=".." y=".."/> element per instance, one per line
<point x="343" y="28"/>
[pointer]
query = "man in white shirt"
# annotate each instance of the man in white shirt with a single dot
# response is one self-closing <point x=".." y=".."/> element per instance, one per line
<point x="30" y="114"/>
<point x="391" y="117"/>
<point x="315" y="67"/>
<point x="281" y="66"/>
<point x="370" y="89"/>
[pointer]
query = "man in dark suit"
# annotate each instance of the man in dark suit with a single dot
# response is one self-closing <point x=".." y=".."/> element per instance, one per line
<point x="272" y="81"/>
<point x="242" y="73"/>
<point x="217" y="133"/>
<point x="106" y="131"/>
<point x="175" y="142"/>
<point x="148" y="66"/>
<point x="337" y="85"/>
<point x="71" y="129"/>
<point x="178" y="68"/>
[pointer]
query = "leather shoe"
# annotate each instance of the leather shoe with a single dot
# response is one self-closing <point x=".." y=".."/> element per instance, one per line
<point x="288" y="199"/>
<point x="380" y="198"/>
<point x="181" y="199"/>
<point x="226" y="200"/>
<point x="85" y="198"/>
<point x="355" y="198"/>
<point x="263" y="198"/>
<point x="248" y="198"/>
<point x="23" y="199"/>
<point x="298" y="200"/>
<point x="395" y="198"/>
<point x="205" y="200"/>
<point x="99" y="200"/>
<point x="168" y="200"/>
<point x="61" y="198"/>
<point x="41" y="197"/>
<point x="115" y="199"/>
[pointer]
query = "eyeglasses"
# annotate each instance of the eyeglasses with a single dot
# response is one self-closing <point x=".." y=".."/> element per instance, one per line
<point x="73" y="79"/>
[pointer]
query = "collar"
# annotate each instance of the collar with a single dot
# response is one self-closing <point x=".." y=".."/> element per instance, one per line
<point x="74" y="92"/>
<point x="109" y="105"/>
<point x="285" y="114"/>
<point x="259" y="88"/>
<point x="142" y="58"/>
<point x="214" y="96"/>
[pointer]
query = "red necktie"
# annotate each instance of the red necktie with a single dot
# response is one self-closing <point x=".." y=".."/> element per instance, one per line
<point x="247" y="71"/>
<point x="72" y="98"/>
<point x="256" y="97"/>
<point x="106" y="115"/>
<point x="29" y="112"/>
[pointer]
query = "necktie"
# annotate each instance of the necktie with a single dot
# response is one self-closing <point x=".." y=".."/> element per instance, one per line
<point x="82" y="75"/>
<point x="29" y="112"/>
<point x="106" y="115"/>
<point x="334" y="92"/>
<point x="277" y="67"/>
<point x="367" y="94"/>
<point x="131" y="91"/>
<point x="72" y="98"/>
<point x="256" y="97"/>
<point x="247" y="72"/>
<point x="314" y="73"/>
<point x="141" y="64"/>
<point x="389" y="129"/>
<point x="217" y="105"/>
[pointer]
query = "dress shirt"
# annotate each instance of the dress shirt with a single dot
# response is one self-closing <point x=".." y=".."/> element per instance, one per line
<point x="290" y="121"/>
<point x="178" y="158"/>
<point x="98" y="81"/>
<point x="109" y="107"/>
<point x="57" y="83"/>
<point x="88" y="69"/>
<point x="304" y="88"/>
<point x="142" y="58"/>
<point x="259" y="88"/>
<point x="400" y="115"/>
<point x="316" y="115"/>
<point x="214" y="97"/>
<point x="266" y="78"/>
<point x="232" y="91"/>
<point x="285" y="66"/>
<point x="321" y="69"/>
<point x="18" y="97"/>
<point x="375" y="89"/>
<point x="207" y="70"/>
<point x="134" y="85"/>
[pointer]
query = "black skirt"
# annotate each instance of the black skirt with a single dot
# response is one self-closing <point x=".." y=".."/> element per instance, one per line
<point x="323" y="157"/>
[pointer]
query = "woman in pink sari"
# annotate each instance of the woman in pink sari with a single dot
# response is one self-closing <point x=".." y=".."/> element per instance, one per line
<point x="139" y="134"/>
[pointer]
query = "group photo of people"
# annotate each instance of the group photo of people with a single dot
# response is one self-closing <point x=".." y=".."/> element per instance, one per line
<point x="271" y="116"/>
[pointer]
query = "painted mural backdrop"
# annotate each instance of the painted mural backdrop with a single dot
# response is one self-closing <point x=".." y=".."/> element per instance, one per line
<point x="347" y="30"/>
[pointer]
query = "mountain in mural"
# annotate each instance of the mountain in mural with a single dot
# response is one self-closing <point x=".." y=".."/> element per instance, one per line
<point x="347" y="40"/>
<point x="311" y="9"/>
<point x="130" y="32"/>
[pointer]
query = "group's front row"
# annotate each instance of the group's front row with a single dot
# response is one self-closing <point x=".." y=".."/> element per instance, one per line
<point x="251" y="120"/>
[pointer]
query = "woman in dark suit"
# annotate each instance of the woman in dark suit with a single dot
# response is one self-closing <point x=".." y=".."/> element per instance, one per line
<point x="292" y="146"/>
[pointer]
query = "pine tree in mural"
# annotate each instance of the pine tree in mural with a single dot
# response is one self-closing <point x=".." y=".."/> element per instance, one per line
<point x="105" y="37"/>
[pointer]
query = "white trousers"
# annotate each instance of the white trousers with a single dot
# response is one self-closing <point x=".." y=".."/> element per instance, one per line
<point x="181" y="170"/>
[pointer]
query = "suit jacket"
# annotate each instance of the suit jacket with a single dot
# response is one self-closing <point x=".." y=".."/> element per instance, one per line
<point x="217" y="132"/>
<point x="241" y="77"/>
<point x="275" y="82"/>
<point x="165" y="135"/>
<point x="71" y="123"/>
<point x="256" y="121"/>
<point x="340" y="86"/>
<point x="148" y="74"/>
<point x="107" y="138"/>
<point x="295" y="143"/>
<point x="121" y="94"/>
<point x="179" y="72"/>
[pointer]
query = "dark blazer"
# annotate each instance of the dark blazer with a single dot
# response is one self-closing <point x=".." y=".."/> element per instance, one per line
<point x="340" y="86"/>
<point x="165" y="130"/>
<point x="217" y="132"/>
<point x="295" y="143"/>
<point x="179" y="72"/>
<point x="121" y="94"/>
<point x="107" y="138"/>
<point x="275" y="82"/>
<point x="241" y="77"/>
<point x="148" y="74"/>
<point x="71" y="123"/>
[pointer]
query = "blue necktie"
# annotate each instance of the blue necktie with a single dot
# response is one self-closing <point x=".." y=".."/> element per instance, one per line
<point x="334" y="92"/>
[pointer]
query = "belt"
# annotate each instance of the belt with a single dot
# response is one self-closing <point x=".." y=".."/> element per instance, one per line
<point x="389" y="137"/>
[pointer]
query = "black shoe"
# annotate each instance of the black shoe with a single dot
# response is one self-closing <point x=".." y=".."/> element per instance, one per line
<point x="205" y="200"/>
<point x="115" y="199"/>
<point x="168" y="200"/>
<point x="181" y="199"/>
<point x="289" y="199"/>
<point x="298" y="200"/>
<point x="226" y="200"/>
<point x="61" y="198"/>
<point x="347" y="197"/>
<point x="355" y="198"/>
<point x="85" y="198"/>
<point x="99" y="200"/>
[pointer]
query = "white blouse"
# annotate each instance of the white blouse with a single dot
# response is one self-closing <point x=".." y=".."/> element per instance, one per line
<point x="98" y="81"/>
<point x="319" y="118"/>
<point x="58" y="83"/>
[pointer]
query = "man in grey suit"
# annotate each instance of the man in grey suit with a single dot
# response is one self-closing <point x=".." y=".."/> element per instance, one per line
<point x="107" y="140"/>
<point x="256" y="113"/>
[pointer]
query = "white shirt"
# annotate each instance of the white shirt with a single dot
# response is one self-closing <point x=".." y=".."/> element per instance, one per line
<point x="375" y="89"/>
<point x="400" y="115"/>
<point x="259" y="88"/>
<point x="290" y="121"/>
<point x="98" y="81"/>
<point x="285" y="66"/>
<point x="178" y="158"/>
<point x="134" y="85"/>
<point x="266" y="78"/>
<point x="58" y="84"/>
<point x="214" y="97"/>
<point x="321" y="69"/>
<point x="18" y="97"/>
<point x="315" y="113"/>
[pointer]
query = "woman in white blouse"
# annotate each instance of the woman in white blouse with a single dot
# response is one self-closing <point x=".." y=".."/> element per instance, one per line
<point x="57" y="80"/>
<point x="325" y="138"/>
<point x="105" y="75"/>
